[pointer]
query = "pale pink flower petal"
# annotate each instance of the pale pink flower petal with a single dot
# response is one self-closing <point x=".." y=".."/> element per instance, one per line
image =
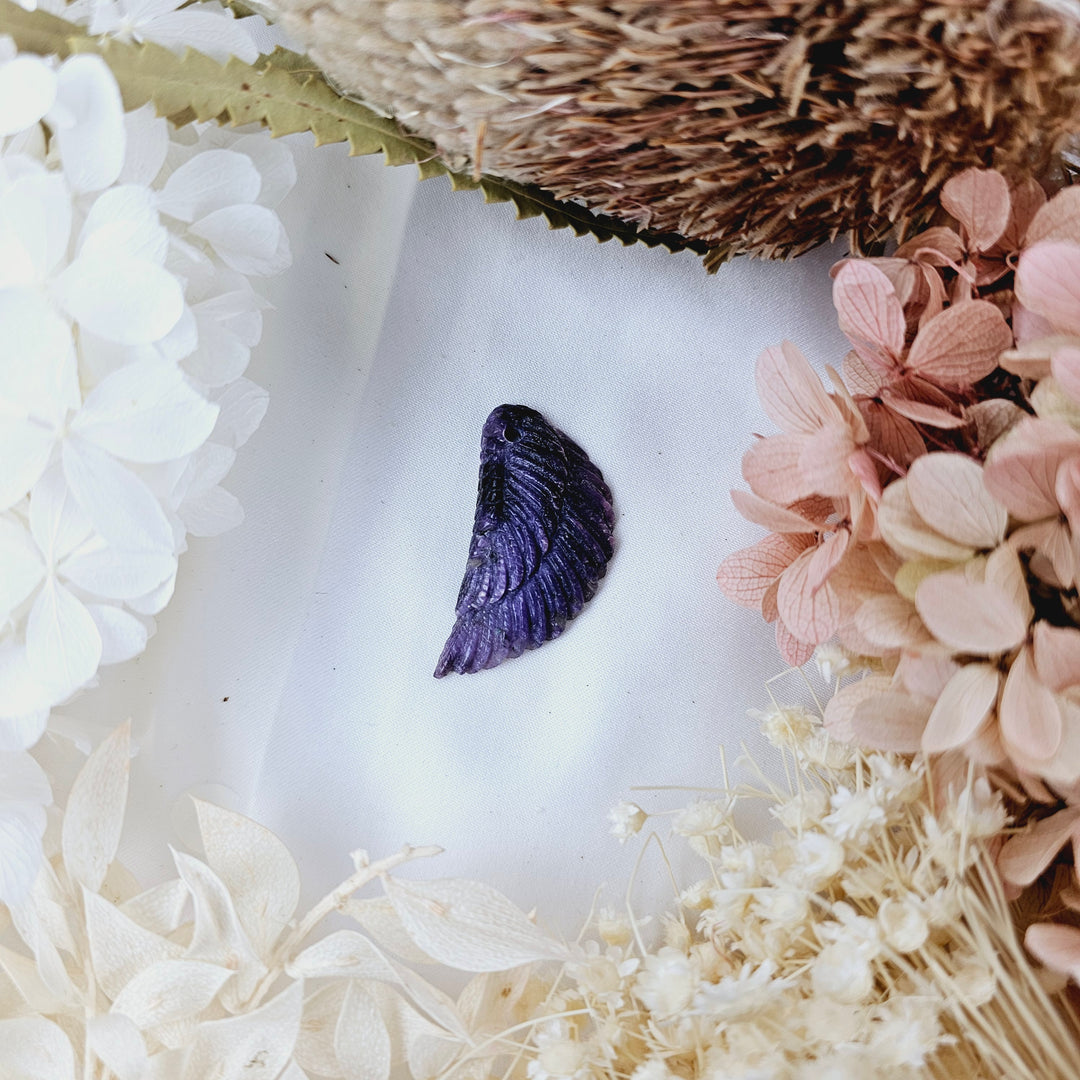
<point x="970" y="616"/>
<point x="826" y="558"/>
<point x="1065" y="367"/>
<point x="864" y="375"/>
<point x="1027" y="198"/>
<point x="811" y="614"/>
<point x="979" y="200"/>
<point x="937" y="246"/>
<point x="921" y="412"/>
<point x="769" y="515"/>
<point x="993" y="418"/>
<point x="961" y="345"/>
<point x="1056" y="651"/>
<point x="948" y="493"/>
<point x="1067" y="491"/>
<point x="791" y="392"/>
<point x="964" y="705"/>
<point x="904" y="530"/>
<point x="926" y="670"/>
<point x="1056" y="946"/>
<point x="746" y="575"/>
<point x="840" y="709"/>
<point x="868" y="310"/>
<point x="771" y="468"/>
<point x="823" y="461"/>
<point x="1020" y="470"/>
<point x="891" y="720"/>
<point x="769" y="611"/>
<point x="1004" y="570"/>
<point x="894" y="437"/>
<point x="1030" y="718"/>
<point x="1048" y="282"/>
<point x="1059" y="219"/>
<point x="890" y="622"/>
<point x="1025" y="856"/>
<point x="795" y="652"/>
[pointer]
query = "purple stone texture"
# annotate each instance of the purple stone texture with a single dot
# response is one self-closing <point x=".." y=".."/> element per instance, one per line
<point x="540" y="545"/>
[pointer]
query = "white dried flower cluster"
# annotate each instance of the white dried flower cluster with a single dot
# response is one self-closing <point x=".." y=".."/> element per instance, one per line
<point x="126" y="323"/>
<point x="880" y="953"/>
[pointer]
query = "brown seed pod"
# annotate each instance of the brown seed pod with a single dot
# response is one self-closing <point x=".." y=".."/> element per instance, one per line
<point x="764" y="126"/>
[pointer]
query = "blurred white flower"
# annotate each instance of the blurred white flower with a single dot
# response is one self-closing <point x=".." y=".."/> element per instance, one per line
<point x="126" y="321"/>
<point x="668" y="982"/>
<point x="854" y="813"/>
<point x="626" y="820"/>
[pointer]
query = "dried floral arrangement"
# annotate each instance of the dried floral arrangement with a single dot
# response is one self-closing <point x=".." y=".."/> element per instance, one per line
<point x="766" y="127"/>
<point x="914" y="913"/>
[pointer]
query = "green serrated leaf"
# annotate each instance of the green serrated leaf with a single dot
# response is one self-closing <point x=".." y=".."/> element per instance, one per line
<point x="287" y="93"/>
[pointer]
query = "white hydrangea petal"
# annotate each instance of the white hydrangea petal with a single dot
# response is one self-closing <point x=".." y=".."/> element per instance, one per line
<point x="249" y="239"/>
<point x="37" y="353"/>
<point x="127" y="300"/>
<point x="124" y="221"/>
<point x="123" y="635"/>
<point x="243" y="406"/>
<point x="27" y="93"/>
<point x="30" y="143"/>
<point x="22" y="779"/>
<point x="21" y="562"/>
<point x="120" y="506"/>
<point x="218" y="36"/>
<point x="275" y="163"/>
<point x="88" y="120"/>
<point x="147" y="142"/>
<point x="219" y="358"/>
<point x="152" y="602"/>
<point x="146" y="412"/>
<point x="22" y="826"/>
<point x="210" y="181"/>
<point x="211" y="513"/>
<point x="182" y="340"/>
<point x="99" y="358"/>
<point x="63" y="645"/>
<point x="22" y="732"/>
<point x="21" y="695"/>
<point x="25" y="448"/>
<point x="115" y="574"/>
<point x="35" y="226"/>
<point x="57" y="522"/>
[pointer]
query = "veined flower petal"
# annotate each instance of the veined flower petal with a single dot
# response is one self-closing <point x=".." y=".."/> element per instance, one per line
<point x="905" y="531"/>
<point x="124" y="221"/>
<point x="771" y="468"/>
<point x="1027" y="854"/>
<point x="120" y="506"/>
<point x="970" y="616"/>
<point x="146" y="412"/>
<point x="961" y="345"/>
<point x="116" y="574"/>
<point x="890" y="720"/>
<point x="35" y="225"/>
<point x="1030" y="718"/>
<point x="1048" y="282"/>
<point x="88" y="121"/>
<point x="211" y="512"/>
<point x="274" y="162"/>
<point x="56" y="521"/>
<point x="791" y="392"/>
<point x="963" y="707"/>
<point x="27" y="93"/>
<point x="147" y="142"/>
<point x="243" y="406"/>
<point x="249" y="239"/>
<point x="63" y="646"/>
<point x="126" y="300"/>
<point x="1056" y="652"/>
<point x="210" y="181"/>
<point x="216" y="34"/>
<point x="746" y="575"/>
<point x="37" y="354"/>
<point x="868" y="309"/>
<point x="811" y="613"/>
<point x="769" y="515"/>
<point x="1058" y="219"/>
<point x="1020" y="470"/>
<point x="979" y="200"/>
<point x="21" y="562"/>
<point x="25" y="448"/>
<point x="948" y="493"/>
<point x="123" y="635"/>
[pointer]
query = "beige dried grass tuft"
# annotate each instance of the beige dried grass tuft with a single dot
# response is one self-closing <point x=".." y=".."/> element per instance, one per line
<point x="765" y="126"/>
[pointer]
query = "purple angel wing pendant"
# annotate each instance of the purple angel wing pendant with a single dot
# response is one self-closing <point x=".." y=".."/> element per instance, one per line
<point x="540" y="545"/>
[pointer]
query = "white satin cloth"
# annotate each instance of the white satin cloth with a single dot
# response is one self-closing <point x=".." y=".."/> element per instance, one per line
<point x="291" y="676"/>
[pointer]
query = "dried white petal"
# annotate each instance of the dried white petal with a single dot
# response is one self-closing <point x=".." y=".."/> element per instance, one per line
<point x="170" y="990"/>
<point x="361" y="1041"/>
<point x="33" y="1048"/>
<point x="27" y="93"/>
<point x="88" y="120"/>
<point x="119" y="1044"/>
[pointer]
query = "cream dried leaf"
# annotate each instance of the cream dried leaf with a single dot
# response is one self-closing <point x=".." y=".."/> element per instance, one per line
<point x="905" y="530"/>
<point x="119" y="947"/>
<point x="314" y="1048"/>
<point x="342" y="954"/>
<point x="378" y="917"/>
<point x="469" y="925"/>
<point x="95" y="810"/>
<point x="361" y="1040"/>
<point x="119" y="1044"/>
<point x="170" y="990"/>
<point x="253" y="1046"/>
<point x="255" y="867"/>
<point x="33" y="1048"/>
<point x="160" y="908"/>
<point x="218" y="937"/>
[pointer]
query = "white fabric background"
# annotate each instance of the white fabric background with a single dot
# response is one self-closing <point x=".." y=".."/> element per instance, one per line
<point x="320" y="619"/>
